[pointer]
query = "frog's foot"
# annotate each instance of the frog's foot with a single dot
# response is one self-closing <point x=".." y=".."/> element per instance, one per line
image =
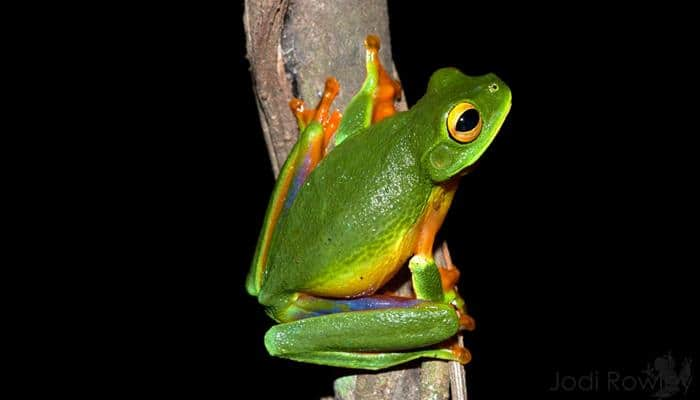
<point x="466" y="322"/>
<point x="449" y="276"/>
<point x="388" y="90"/>
<point x="461" y="353"/>
<point x="375" y="99"/>
<point x="321" y="114"/>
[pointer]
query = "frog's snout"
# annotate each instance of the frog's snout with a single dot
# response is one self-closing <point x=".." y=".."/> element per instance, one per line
<point x="494" y="84"/>
<point x="497" y="89"/>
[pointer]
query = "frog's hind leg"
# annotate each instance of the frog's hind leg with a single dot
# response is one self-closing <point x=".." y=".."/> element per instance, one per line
<point x="320" y="131"/>
<point x="374" y="101"/>
<point x="370" y="332"/>
<point x="316" y="126"/>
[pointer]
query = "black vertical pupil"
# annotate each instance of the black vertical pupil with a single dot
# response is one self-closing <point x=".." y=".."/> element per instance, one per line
<point x="468" y="120"/>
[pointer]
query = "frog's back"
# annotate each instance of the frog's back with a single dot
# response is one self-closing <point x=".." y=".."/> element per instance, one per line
<point x="353" y="222"/>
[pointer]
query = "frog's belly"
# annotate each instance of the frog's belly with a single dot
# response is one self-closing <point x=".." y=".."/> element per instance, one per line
<point x="365" y="273"/>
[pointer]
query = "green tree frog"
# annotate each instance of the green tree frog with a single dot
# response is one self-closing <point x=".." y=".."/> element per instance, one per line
<point x="359" y="196"/>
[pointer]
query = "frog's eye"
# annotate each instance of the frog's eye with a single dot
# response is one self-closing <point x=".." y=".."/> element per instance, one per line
<point x="464" y="123"/>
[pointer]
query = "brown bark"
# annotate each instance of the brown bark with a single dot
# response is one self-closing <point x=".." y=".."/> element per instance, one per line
<point x="293" y="45"/>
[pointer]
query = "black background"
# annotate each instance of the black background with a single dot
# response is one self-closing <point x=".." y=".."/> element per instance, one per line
<point x="576" y="235"/>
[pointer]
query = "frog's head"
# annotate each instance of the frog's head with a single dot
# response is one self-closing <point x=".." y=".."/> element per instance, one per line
<point x="464" y="114"/>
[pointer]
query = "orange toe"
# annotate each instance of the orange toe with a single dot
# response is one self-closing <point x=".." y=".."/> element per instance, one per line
<point x="463" y="355"/>
<point x="466" y="322"/>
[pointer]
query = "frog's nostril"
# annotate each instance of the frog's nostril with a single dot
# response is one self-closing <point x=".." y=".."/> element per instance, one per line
<point x="493" y="87"/>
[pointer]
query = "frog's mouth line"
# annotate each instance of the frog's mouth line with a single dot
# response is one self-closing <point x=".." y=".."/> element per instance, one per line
<point x="466" y="170"/>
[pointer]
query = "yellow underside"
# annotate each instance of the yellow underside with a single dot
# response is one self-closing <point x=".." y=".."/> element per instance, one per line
<point x="366" y="278"/>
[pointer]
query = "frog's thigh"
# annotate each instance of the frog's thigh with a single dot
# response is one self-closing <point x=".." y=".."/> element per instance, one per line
<point x="370" y="339"/>
<point x="375" y="361"/>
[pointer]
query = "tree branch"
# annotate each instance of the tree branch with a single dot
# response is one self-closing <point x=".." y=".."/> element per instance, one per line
<point x="293" y="46"/>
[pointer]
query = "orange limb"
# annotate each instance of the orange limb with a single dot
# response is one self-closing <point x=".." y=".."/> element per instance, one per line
<point x="329" y="131"/>
<point x="388" y="92"/>
<point x="329" y="92"/>
<point x="449" y="274"/>
<point x="438" y="205"/>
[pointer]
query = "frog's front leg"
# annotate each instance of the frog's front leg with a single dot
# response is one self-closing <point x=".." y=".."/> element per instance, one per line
<point x="372" y="332"/>
<point x="438" y="285"/>
<point x="431" y="282"/>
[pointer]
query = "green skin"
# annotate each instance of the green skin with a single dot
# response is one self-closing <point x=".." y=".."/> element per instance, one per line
<point x="345" y="233"/>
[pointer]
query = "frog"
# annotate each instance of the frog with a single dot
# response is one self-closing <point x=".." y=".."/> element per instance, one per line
<point x="361" y="196"/>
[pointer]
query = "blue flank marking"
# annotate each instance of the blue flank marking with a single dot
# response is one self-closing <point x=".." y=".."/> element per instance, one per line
<point x="299" y="179"/>
<point x="366" y="303"/>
